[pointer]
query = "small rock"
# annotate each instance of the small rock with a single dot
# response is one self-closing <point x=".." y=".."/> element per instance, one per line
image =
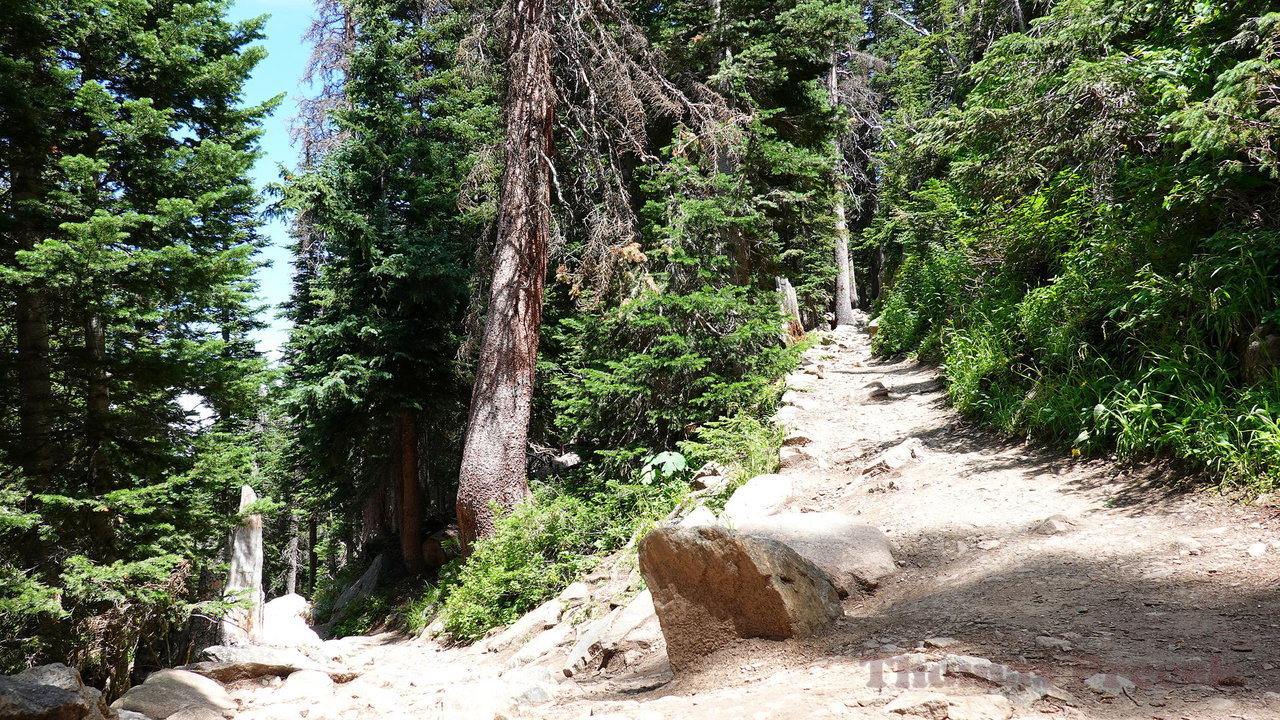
<point x="1188" y="546"/>
<point x="1053" y="643"/>
<point x="1112" y="685"/>
<point x="980" y="707"/>
<point x="709" y="475"/>
<point x="920" y="703"/>
<point x="988" y="545"/>
<point x="304" y="685"/>
<point x="564" y="462"/>
<point x="796" y="439"/>
<point x="701" y="515"/>
<point x="940" y="642"/>
<point x="1257" y="549"/>
<point x="532" y="623"/>
<point x="1053" y="525"/>
<point x="876" y="391"/>
<point x="797" y="458"/>
<point x="575" y="594"/>
<point x="896" y="457"/>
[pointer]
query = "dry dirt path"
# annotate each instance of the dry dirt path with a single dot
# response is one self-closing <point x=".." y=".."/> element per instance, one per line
<point x="1128" y="579"/>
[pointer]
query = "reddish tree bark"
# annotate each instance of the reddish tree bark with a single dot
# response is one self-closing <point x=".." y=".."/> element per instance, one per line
<point x="494" y="455"/>
<point x="410" y="497"/>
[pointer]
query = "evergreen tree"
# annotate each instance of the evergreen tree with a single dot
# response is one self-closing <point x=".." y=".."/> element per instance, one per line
<point x="384" y="258"/>
<point x="129" y="232"/>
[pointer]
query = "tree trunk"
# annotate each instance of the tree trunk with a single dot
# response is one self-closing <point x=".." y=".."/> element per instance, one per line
<point x="313" y="556"/>
<point x="844" y="300"/>
<point x="410" y="497"/>
<point x="31" y="329"/>
<point x="844" y="295"/>
<point x="494" y="455"/>
<point x="98" y="404"/>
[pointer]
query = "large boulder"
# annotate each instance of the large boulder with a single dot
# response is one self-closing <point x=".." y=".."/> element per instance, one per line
<point x="712" y="587"/>
<point x="760" y="496"/>
<point x="67" y="678"/>
<point x="856" y="556"/>
<point x="31" y="701"/>
<point x="284" y="622"/>
<point x="168" y="691"/>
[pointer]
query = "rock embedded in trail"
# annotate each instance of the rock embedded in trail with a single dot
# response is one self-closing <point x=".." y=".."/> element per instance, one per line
<point x="1053" y="525"/>
<point x="896" y="457"/>
<point x="712" y="587"/>
<point x="1112" y="685"/>
<point x="165" y="692"/>
<point x="760" y="496"/>
<point x="628" y="631"/>
<point x="799" y="458"/>
<point x="856" y="556"/>
<point x="875" y="390"/>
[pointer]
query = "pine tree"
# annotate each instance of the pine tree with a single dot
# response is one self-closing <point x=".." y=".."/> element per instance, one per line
<point x="384" y="256"/>
<point x="129" y="233"/>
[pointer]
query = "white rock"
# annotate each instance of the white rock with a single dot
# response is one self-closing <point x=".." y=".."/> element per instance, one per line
<point x="541" y="644"/>
<point x="1113" y="685"/>
<point x="799" y="458"/>
<point x="920" y="703"/>
<point x="700" y="515"/>
<point x="309" y="685"/>
<point x="896" y="457"/>
<point x="284" y="622"/>
<point x="165" y="692"/>
<point x="532" y="623"/>
<point x="760" y="496"/>
<point x="575" y="594"/>
<point x="1053" y="525"/>
<point x="940" y="642"/>
<point x="980" y="707"/>
<point x="1188" y="546"/>
<point x="629" y="629"/>
<point x="1257" y="549"/>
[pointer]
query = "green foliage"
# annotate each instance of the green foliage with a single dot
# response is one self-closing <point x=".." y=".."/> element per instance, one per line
<point x="538" y="549"/>
<point x="128" y="235"/>
<point x="1089" y="238"/>
<point x="743" y="444"/>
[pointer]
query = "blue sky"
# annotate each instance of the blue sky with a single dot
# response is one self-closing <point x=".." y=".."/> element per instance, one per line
<point x="287" y="55"/>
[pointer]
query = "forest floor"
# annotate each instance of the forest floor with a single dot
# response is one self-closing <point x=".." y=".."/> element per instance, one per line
<point x="1179" y="592"/>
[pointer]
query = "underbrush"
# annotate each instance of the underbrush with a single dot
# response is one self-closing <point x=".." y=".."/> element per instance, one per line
<point x="569" y="526"/>
<point x="1135" y="359"/>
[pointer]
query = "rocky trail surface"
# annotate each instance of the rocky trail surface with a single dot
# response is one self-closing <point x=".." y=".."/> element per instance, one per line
<point x="1028" y="585"/>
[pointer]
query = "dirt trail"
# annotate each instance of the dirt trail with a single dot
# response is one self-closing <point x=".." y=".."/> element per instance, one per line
<point x="1159" y="588"/>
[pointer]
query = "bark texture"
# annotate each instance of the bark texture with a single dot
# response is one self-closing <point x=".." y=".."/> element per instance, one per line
<point x="844" y="298"/>
<point x="410" y="496"/>
<point x="494" y="455"/>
